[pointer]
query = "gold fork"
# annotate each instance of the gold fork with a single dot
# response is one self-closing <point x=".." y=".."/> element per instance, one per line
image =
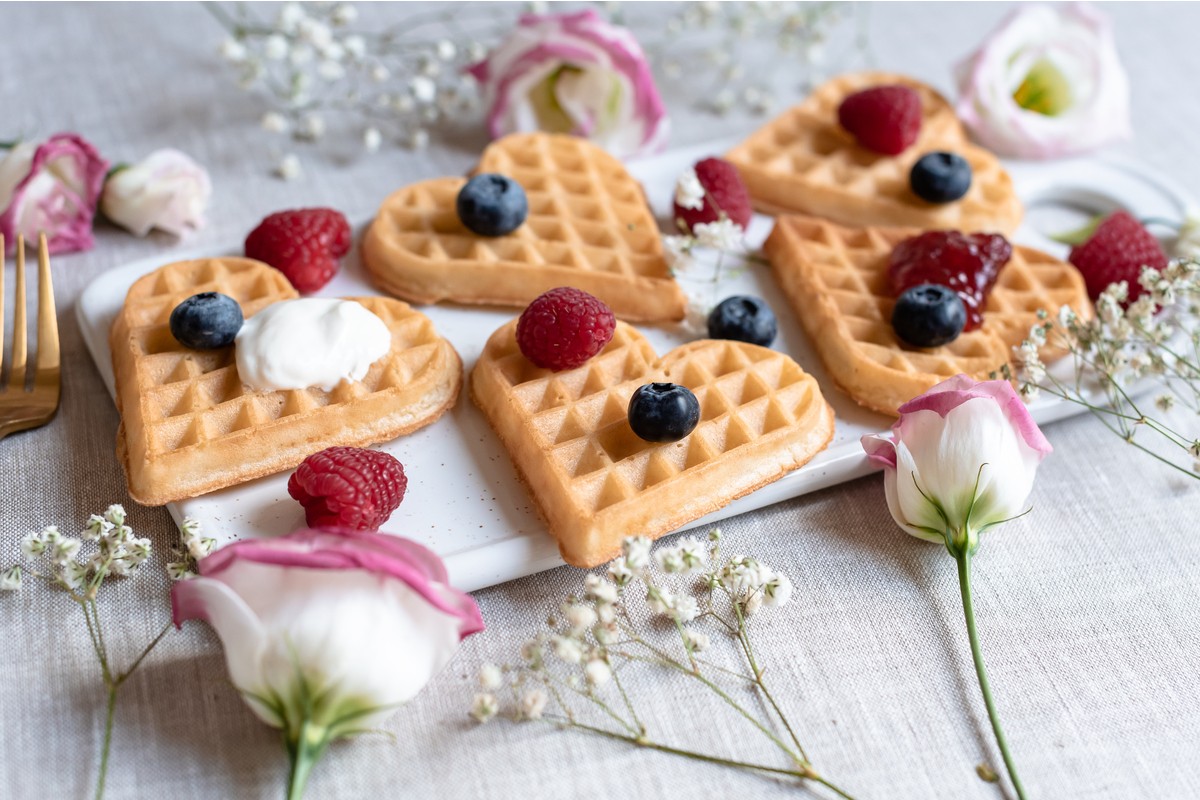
<point x="25" y="405"/>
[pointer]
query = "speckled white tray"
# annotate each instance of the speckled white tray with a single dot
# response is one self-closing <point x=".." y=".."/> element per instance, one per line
<point x="464" y="500"/>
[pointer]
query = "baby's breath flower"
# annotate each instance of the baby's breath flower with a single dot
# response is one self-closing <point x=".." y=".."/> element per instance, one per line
<point x="669" y="559"/>
<point x="684" y="608"/>
<point x="115" y="514"/>
<point x="10" y="580"/>
<point x="1165" y="402"/>
<point x="620" y="573"/>
<point x="423" y="89"/>
<point x="606" y="612"/>
<point x="714" y="535"/>
<point x="372" y="138"/>
<point x="33" y="544"/>
<point x="490" y="677"/>
<point x="533" y="703"/>
<point x="568" y="649"/>
<point x="72" y="575"/>
<point x="531" y="653"/>
<point x="636" y="550"/>
<point x="312" y="127"/>
<point x="697" y="641"/>
<point x="418" y="139"/>
<point x="344" y="14"/>
<point x="605" y="632"/>
<point x="752" y="603"/>
<point x="689" y="192"/>
<point x="777" y="590"/>
<point x="693" y="553"/>
<point x="95" y="528"/>
<point x="233" y="51"/>
<point x="599" y="589"/>
<point x="289" y="167"/>
<point x="484" y="707"/>
<point x="659" y="600"/>
<point x="275" y="47"/>
<point x="65" y="549"/>
<point x="178" y="570"/>
<point x="579" y="618"/>
<point x="598" y="672"/>
<point x="724" y="234"/>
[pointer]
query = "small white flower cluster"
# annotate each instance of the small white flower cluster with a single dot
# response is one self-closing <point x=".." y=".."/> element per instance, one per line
<point x="593" y="627"/>
<point x="703" y="36"/>
<point x="1155" y="337"/>
<point x="313" y="69"/>
<point x="117" y="552"/>
<point x="194" y="547"/>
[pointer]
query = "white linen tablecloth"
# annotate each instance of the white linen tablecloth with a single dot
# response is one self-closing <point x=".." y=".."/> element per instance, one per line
<point x="1089" y="607"/>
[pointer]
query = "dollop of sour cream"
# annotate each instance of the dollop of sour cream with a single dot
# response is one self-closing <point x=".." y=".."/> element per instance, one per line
<point x="313" y="341"/>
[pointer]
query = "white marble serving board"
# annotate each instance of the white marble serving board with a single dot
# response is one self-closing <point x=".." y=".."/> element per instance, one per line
<point x="464" y="500"/>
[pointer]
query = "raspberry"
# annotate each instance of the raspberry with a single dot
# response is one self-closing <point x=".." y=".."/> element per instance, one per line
<point x="563" y="328"/>
<point x="886" y="119"/>
<point x="348" y="487"/>
<point x="724" y="191"/>
<point x="967" y="263"/>
<point x="304" y="244"/>
<point x="1117" y="251"/>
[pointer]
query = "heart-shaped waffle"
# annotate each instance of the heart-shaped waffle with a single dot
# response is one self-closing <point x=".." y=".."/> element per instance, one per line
<point x="190" y="426"/>
<point x="805" y="162"/>
<point x="588" y="227"/>
<point x="596" y="482"/>
<point x="836" y="281"/>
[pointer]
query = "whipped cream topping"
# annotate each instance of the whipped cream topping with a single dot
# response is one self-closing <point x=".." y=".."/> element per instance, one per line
<point x="313" y="341"/>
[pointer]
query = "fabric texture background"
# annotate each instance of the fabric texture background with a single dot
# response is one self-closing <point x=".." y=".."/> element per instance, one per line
<point x="1089" y="607"/>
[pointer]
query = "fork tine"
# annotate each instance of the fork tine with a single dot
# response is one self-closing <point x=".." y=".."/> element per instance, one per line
<point x="16" y="375"/>
<point x="47" y="348"/>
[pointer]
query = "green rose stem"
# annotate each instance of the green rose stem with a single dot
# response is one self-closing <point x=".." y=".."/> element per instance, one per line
<point x="304" y="750"/>
<point x="962" y="555"/>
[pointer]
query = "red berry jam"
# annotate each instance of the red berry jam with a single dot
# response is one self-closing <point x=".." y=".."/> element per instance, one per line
<point x="967" y="263"/>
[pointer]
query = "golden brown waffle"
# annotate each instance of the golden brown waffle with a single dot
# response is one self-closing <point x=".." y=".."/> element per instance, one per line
<point x="189" y="425"/>
<point x="588" y="227"/>
<point x="596" y="482"/>
<point x="836" y="281"/>
<point x="805" y="162"/>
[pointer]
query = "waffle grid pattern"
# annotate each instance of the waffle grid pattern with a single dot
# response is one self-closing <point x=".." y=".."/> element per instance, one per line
<point x="180" y="398"/>
<point x="836" y="281"/>
<point x="805" y="150"/>
<point x="572" y="434"/>
<point x="586" y="214"/>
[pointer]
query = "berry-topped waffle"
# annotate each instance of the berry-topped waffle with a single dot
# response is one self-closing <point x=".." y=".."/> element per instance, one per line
<point x="857" y="167"/>
<point x="712" y="421"/>
<point x="587" y="226"/>
<point x="843" y="285"/>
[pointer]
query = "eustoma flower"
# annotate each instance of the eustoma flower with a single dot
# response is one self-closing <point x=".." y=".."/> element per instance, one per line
<point x="574" y="73"/>
<point x="165" y="190"/>
<point x="327" y="633"/>
<point x="961" y="458"/>
<point x="52" y="188"/>
<point x="1047" y="83"/>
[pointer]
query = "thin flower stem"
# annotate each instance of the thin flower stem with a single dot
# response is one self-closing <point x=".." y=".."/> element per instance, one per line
<point x="628" y="703"/>
<point x="106" y="746"/>
<point x="729" y="700"/>
<point x="145" y="652"/>
<point x="758" y="679"/>
<point x="963" y="557"/>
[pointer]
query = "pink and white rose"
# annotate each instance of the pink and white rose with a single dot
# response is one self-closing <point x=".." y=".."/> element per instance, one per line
<point x="962" y="457"/>
<point x="360" y="620"/>
<point x="51" y="188"/>
<point x="574" y="73"/>
<point x="1047" y="83"/>
<point x="165" y="190"/>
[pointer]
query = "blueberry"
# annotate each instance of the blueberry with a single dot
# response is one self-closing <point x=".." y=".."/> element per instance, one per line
<point x="206" y="321"/>
<point x="929" y="315"/>
<point x="492" y="205"/>
<point x="744" y="319"/>
<point x="940" y="177"/>
<point x="663" y="412"/>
